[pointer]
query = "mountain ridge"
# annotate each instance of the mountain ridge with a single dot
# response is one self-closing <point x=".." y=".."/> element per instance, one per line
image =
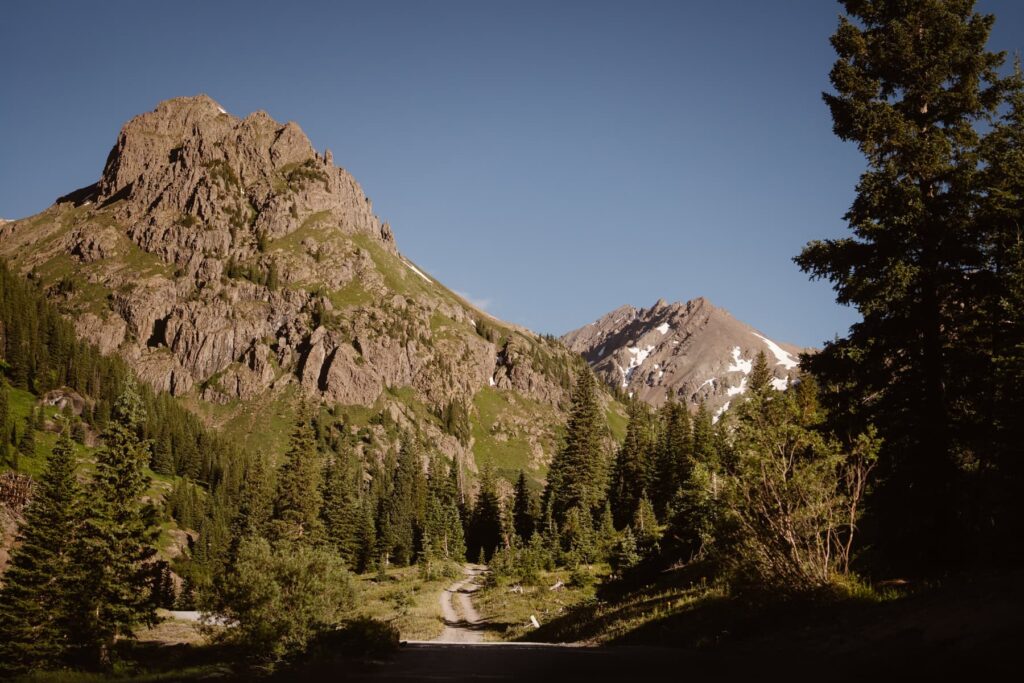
<point x="694" y="351"/>
<point x="232" y="264"/>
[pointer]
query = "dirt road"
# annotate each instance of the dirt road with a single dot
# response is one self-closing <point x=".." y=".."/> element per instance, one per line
<point x="461" y="620"/>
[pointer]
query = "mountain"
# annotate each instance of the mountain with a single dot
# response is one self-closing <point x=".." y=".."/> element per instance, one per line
<point x="233" y="265"/>
<point x="695" y="351"/>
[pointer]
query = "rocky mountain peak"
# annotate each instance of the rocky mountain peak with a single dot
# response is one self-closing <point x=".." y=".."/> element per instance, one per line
<point x="694" y="351"/>
<point x="228" y="261"/>
<point x="198" y="185"/>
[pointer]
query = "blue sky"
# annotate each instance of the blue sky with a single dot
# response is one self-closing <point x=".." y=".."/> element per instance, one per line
<point x="551" y="160"/>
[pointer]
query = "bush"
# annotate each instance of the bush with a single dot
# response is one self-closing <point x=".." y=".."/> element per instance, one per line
<point x="359" y="637"/>
<point x="278" y="598"/>
<point x="333" y="651"/>
<point x="793" y="491"/>
<point x="581" y="576"/>
<point x="432" y="569"/>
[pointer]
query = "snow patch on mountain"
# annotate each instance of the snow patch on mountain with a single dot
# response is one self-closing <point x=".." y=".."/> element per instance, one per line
<point x="780" y="383"/>
<point x="735" y="391"/>
<point x="663" y="328"/>
<point x="638" y="357"/>
<point x="739" y="364"/>
<point x="417" y="271"/>
<point x="780" y="354"/>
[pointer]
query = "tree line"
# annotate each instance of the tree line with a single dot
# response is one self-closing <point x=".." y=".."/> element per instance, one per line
<point x="934" y="264"/>
<point x="41" y="352"/>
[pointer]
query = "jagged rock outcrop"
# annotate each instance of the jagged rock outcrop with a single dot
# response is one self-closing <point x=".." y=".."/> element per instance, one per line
<point x="225" y="258"/>
<point x="190" y="163"/>
<point x="695" y="352"/>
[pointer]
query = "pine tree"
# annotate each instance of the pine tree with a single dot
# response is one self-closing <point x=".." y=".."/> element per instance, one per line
<point x="912" y="81"/>
<point x="646" y="527"/>
<point x="342" y="510"/>
<point x="5" y="417"/>
<point x="367" y="536"/>
<point x="703" y="436"/>
<point x="1002" y="313"/>
<point x="40" y="582"/>
<point x="404" y="509"/>
<point x="27" y="442"/>
<point x="578" y="473"/>
<point x="163" y="458"/>
<point x="443" y="532"/>
<point x="298" y="499"/>
<point x="485" y="526"/>
<point x="674" y="455"/>
<point x="523" y="518"/>
<point x="632" y="469"/>
<point x="118" y="539"/>
<point x="760" y="378"/>
<point x="607" y="537"/>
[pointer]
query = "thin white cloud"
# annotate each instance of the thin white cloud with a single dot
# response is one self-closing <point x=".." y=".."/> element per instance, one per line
<point x="482" y="304"/>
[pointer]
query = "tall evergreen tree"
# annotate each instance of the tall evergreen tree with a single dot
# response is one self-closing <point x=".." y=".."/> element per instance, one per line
<point x="912" y="81"/>
<point x="404" y="507"/>
<point x="342" y="509"/>
<point x="633" y="467"/>
<point x="674" y="454"/>
<point x="578" y="473"/>
<point x="298" y="499"/>
<point x="443" y="533"/>
<point x="5" y="417"/>
<point x="118" y="539"/>
<point x="39" y="585"/>
<point x="366" y="554"/>
<point x="163" y="457"/>
<point x="485" y="526"/>
<point x="703" y="436"/>
<point x="523" y="516"/>
<point x="27" y="442"/>
<point x="1002" y="215"/>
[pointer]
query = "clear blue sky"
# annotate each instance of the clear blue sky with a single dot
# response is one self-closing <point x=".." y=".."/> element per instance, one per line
<point x="551" y="160"/>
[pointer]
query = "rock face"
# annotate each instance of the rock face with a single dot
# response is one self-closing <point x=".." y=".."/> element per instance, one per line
<point x="696" y="352"/>
<point x="224" y="258"/>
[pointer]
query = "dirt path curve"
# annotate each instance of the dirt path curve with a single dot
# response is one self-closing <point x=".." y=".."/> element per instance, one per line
<point x="461" y="628"/>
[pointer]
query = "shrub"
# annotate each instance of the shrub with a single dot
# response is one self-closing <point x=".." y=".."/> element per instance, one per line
<point x="278" y="598"/>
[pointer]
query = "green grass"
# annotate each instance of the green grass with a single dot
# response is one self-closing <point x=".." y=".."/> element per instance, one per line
<point x="507" y="611"/>
<point x="398" y="277"/>
<point x="20" y="404"/>
<point x="500" y="421"/>
<point x="654" y="614"/>
<point x="507" y="454"/>
<point x="683" y="608"/>
<point x="263" y="423"/>
<point x="139" y="261"/>
<point x="312" y="226"/>
<point x="351" y="295"/>
<point x="404" y="599"/>
<point x="617" y="421"/>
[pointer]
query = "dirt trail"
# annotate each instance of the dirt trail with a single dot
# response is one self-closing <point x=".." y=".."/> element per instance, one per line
<point x="457" y="598"/>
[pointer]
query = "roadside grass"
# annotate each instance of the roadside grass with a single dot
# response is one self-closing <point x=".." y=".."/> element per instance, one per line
<point x="405" y="599"/>
<point x="506" y="606"/>
<point x="169" y="657"/>
<point x="971" y="618"/>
